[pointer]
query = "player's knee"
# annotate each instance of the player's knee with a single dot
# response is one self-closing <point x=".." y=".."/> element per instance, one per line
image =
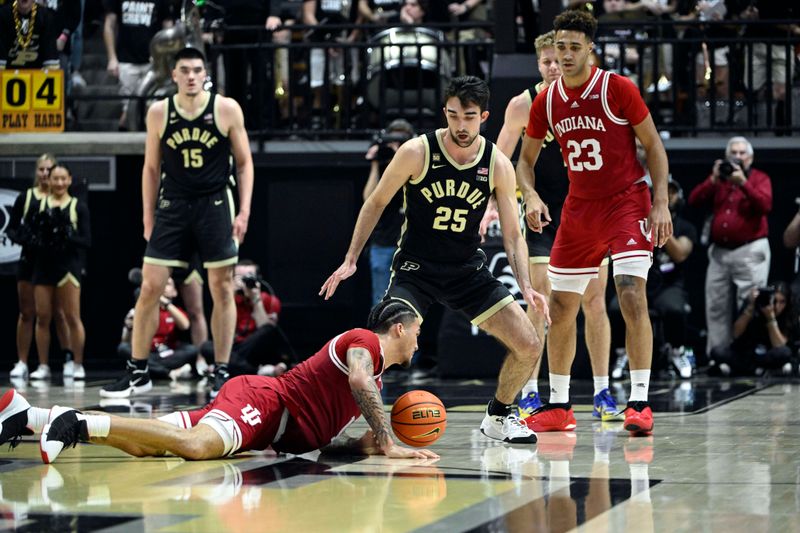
<point x="594" y="306"/>
<point x="632" y="302"/>
<point x="150" y="291"/>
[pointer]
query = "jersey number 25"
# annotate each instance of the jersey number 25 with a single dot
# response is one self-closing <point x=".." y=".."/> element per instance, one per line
<point x="584" y="156"/>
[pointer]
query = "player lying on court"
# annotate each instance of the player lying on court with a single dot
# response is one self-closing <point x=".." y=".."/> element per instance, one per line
<point x="307" y="408"/>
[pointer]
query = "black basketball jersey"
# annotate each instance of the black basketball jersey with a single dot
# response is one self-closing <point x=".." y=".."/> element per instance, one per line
<point x="552" y="182"/>
<point x="196" y="156"/>
<point x="445" y="204"/>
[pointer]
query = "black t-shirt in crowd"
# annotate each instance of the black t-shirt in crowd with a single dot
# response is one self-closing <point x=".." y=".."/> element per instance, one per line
<point x="333" y="12"/>
<point x="137" y="22"/>
<point x="388" y="9"/>
<point x="40" y="50"/>
<point x="665" y="272"/>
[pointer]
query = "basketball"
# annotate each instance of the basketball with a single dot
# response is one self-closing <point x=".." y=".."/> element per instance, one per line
<point x="418" y="418"/>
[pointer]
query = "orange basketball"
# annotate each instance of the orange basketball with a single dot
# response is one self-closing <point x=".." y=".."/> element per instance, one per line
<point x="418" y="418"/>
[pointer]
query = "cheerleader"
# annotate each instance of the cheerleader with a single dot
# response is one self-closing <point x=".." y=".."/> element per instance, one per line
<point x="63" y="236"/>
<point x="20" y="231"/>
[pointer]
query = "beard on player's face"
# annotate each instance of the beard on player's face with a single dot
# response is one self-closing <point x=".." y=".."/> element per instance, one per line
<point x="466" y="143"/>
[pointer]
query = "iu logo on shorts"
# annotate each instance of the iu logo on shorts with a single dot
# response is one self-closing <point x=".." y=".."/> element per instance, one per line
<point x="251" y="415"/>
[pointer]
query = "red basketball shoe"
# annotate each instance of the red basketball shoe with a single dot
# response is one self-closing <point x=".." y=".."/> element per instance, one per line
<point x="552" y="417"/>
<point x="639" y="418"/>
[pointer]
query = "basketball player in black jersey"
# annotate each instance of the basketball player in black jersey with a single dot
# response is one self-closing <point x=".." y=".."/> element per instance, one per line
<point x="552" y="185"/>
<point x="447" y="177"/>
<point x="190" y="137"/>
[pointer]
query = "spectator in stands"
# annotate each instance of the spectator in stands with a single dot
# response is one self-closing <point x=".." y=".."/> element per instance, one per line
<point x="62" y="236"/>
<point x="791" y="239"/>
<point x="259" y="345"/>
<point x="617" y="43"/>
<point x="168" y="352"/>
<point x="739" y="197"/>
<point x="20" y="231"/>
<point x="383" y="241"/>
<point x="764" y="335"/>
<point x="380" y="11"/>
<point x="770" y="78"/>
<point x="248" y="70"/>
<point x="127" y="31"/>
<point x="28" y="35"/>
<point x="666" y="283"/>
<point x="464" y="11"/>
<point x="415" y="12"/>
<point x="323" y="13"/>
<point x="68" y="14"/>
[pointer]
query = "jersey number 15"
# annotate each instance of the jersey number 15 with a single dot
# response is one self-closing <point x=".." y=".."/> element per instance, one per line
<point x="192" y="157"/>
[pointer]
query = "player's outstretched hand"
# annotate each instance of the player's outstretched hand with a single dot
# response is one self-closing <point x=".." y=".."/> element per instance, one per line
<point x="489" y="216"/>
<point x="659" y="221"/>
<point x="342" y="273"/>
<point x="401" y="452"/>
<point x="537" y="214"/>
<point x="539" y="302"/>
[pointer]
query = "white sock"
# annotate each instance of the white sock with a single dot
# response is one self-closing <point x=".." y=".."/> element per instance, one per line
<point x="559" y="388"/>
<point x="559" y="477"/>
<point x="640" y="385"/>
<point x="531" y="386"/>
<point x="640" y="482"/>
<point x="600" y="383"/>
<point x="37" y="418"/>
<point x="97" y="425"/>
<point x="601" y="457"/>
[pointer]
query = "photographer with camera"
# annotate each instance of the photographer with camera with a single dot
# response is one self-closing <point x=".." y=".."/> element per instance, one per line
<point x="739" y="198"/>
<point x="387" y="232"/>
<point x="259" y="345"/>
<point x="167" y="352"/>
<point x="763" y="335"/>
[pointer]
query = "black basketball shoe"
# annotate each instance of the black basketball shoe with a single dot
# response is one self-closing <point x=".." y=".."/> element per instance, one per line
<point x="63" y="430"/>
<point x="135" y="381"/>
<point x="221" y="375"/>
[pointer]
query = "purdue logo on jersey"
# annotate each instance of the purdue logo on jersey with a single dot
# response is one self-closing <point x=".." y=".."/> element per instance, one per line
<point x="191" y="134"/>
<point x="474" y="197"/>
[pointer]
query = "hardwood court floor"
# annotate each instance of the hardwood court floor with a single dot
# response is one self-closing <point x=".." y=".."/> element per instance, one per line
<point x="725" y="457"/>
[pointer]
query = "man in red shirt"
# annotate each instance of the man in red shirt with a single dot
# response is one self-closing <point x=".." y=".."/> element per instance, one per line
<point x="596" y="116"/>
<point x="740" y="198"/>
<point x="307" y="408"/>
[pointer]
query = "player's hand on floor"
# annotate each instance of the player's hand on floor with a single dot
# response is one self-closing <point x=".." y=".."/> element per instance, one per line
<point x="401" y="452"/>
<point x="342" y="273"/>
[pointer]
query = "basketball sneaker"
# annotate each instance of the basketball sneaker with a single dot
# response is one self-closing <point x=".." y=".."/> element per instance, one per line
<point x="507" y="429"/>
<point x="552" y="417"/>
<point x="639" y="418"/>
<point x="13" y="418"/>
<point x="605" y="407"/>
<point x="63" y="429"/>
<point x="221" y="375"/>
<point x="528" y="404"/>
<point x="134" y="381"/>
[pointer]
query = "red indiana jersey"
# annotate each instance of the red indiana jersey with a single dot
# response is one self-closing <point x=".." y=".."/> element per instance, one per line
<point x="166" y="333"/>
<point x="594" y="126"/>
<point x="317" y="393"/>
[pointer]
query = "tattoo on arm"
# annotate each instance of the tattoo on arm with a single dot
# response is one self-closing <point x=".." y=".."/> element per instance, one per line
<point x="368" y="397"/>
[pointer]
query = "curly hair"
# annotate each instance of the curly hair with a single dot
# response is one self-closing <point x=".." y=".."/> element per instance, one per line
<point x="580" y="21"/>
<point x="545" y="40"/>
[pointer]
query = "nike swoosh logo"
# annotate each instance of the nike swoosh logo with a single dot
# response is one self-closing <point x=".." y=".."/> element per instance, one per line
<point x="217" y="202"/>
<point x="439" y="166"/>
<point x="173" y="121"/>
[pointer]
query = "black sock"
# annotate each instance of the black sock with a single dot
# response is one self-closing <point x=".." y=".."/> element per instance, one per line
<point x="137" y="364"/>
<point x="68" y="355"/>
<point x="498" y="408"/>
